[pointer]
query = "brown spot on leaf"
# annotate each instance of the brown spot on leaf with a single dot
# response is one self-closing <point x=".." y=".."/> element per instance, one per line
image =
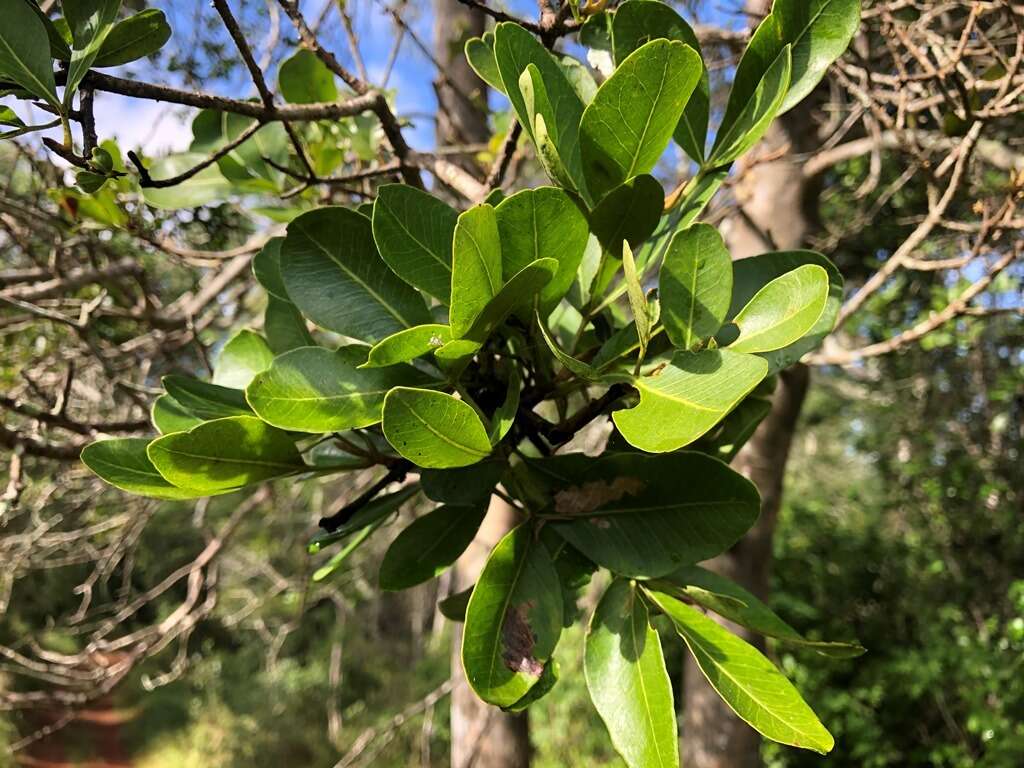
<point x="518" y="640"/>
<point x="578" y="500"/>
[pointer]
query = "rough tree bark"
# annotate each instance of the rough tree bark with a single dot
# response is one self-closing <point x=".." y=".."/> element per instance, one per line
<point x="482" y="736"/>
<point x="777" y="210"/>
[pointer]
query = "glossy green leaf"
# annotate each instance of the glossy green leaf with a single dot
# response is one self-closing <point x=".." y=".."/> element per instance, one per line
<point x="245" y="355"/>
<point x="285" y="326"/>
<point x="168" y="415"/>
<point x="266" y="268"/>
<point x="476" y="266"/>
<point x="628" y="213"/>
<point x="750" y="684"/>
<point x="628" y="682"/>
<point x="414" y="232"/>
<point x="740" y="132"/>
<point x="782" y="311"/>
<point x="429" y="546"/>
<point x="637" y="299"/>
<point x="627" y="126"/>
<point x="644" y="516"/>
<point x="688" y="397"/>
<point x="736" y="429"/>
<point x="547" y="132"/>
<point x="312" y="389"/>
<point x="513" y="620"/>
<point x="546" y="222"/>
<point x="407" y="345"/>
<point x="59" y="48"/>
<point x="123" y="463"/>
<point x="25" y="52"/>
<point x="731" y="601"/>
<point x="636" y="23"/>
<point x="505" y="414"/>
<point x="818" y="31"/>
<point x="465" y="486"/>
<point x="695" y="285"/>
<point x="336" y="278"/>
<point x="571" y="364"/>
<point x="480" y="55"/>
<point x="134" y="38"/>
<point x="514" y="50"/>
<point x="304" y="79"/>
<point x="369" y="516"/>
<point x="521" y="290"/>
<point x="434" y="429"/>
<point x="205" y="400"/>
<point x="225" y="454"/>
<point x="90" y="22"/>
<point x="207" y="186"/>
<point x="750" y="275"/>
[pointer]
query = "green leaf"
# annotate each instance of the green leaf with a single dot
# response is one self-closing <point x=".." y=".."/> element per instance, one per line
<point x="285" y="326"/>
<point x="627" y="126"/>
<point x="90" y="22"/>
<point x="644" y="516"/>
<point x="476" y="266"/>
<point x="205" y="400"/>
<point x="168" y="415"/>
<point x="818" y="31"/>
<point x="59" y="48"/>
<point x="543" y="223"/>
<point x="304" y="79"/>
<point x="637" y="300"/>
<point x="637" y="22"/>
<point x="414" y="232"/>
<point x="514" y="50"/>
<point x="312" y="389"/>
<point x="571" y="364"/>
<point x="519" y="291"/>
<point x="407" y="345"/>
<point x="504" y="415"/>
<point x="782" y="311"/>
<point x="750" y="684"/>
<point x="480" y="55"/>
<point x="454" y="606"/>
<point x="544" y="686"/>
<point x="513" y="620"/>
<point x="750" y="275"/>
<point x="628" y="213"/>
<point x="465" y="486"/>
<point x="245" y="355"/>
<point x="25" y="52"/>
<point x="336" y="278"/>
<point x="695" y="285"/>
<point x="736" y="429"/>
<point x="731" y="601"/>
<point x="136" y="37"/>
<point x="628" y="682"/>
<point x="225" y="454"/>
<point x="367" y="517"/>
<point x="548" y="132"/>
<point x="123" y="463"/>
<point x="429" y="546"/>
<point x="688" y="397"/>
<point x="207" y="186"/>
<point x="266" y="268"/>
<point x="434" y="429"/>
<point x="743" y="129"/>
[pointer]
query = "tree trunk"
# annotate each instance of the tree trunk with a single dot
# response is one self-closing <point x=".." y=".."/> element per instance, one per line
<point x="482" y="736"/>
<point x="777" y="208"/>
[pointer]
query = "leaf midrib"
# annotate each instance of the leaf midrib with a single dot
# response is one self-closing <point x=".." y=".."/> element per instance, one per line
<point x="444" y="437"/>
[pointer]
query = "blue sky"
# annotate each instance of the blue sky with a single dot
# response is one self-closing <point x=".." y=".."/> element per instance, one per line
<point x="159" y="128"/>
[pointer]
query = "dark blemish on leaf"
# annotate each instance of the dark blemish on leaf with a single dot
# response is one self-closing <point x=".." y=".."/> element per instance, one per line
<point x="578" y="500"/>
<point x="518" y="640"/>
